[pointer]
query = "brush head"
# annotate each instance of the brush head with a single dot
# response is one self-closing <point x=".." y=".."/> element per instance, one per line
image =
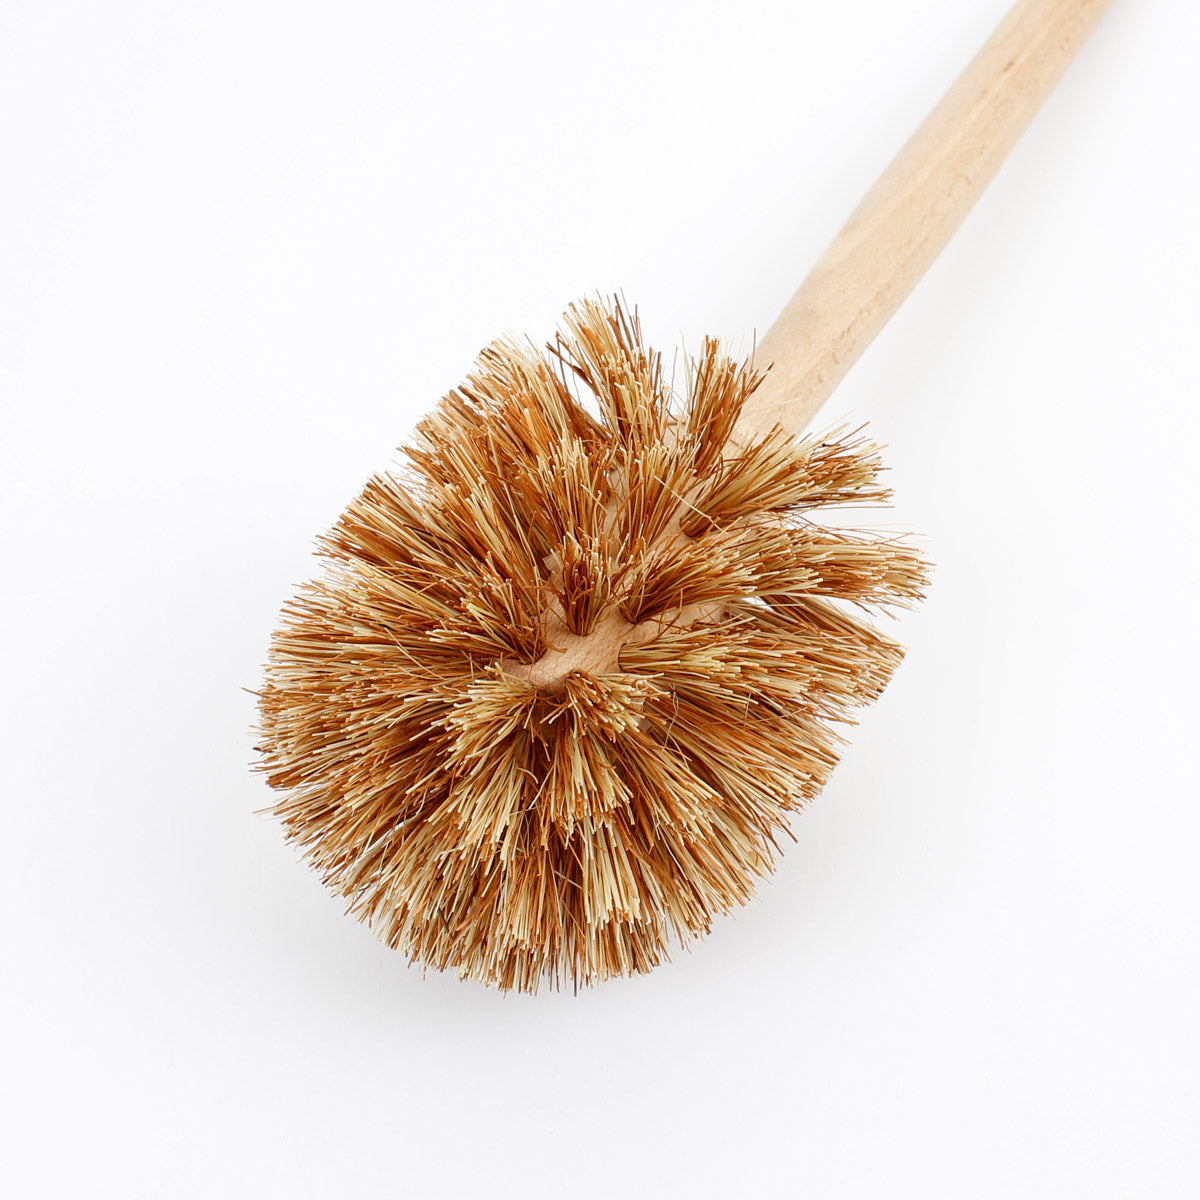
<point x="566" y="675"/>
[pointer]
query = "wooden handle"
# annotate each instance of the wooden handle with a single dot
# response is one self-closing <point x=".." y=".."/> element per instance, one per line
<point x="913" y="209"/>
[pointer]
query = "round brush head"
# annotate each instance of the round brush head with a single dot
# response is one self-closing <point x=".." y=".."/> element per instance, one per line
<point x="566" y="675"/>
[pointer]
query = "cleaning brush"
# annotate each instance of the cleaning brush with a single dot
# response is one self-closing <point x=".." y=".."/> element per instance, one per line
<point x="569" y="671"/>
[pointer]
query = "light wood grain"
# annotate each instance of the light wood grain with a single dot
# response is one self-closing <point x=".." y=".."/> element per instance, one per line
<point x="913" y="209"/>
<point x="886" y="246"/>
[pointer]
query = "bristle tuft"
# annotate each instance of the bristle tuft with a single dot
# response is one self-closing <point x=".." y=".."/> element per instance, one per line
<point x="551" y="706"/>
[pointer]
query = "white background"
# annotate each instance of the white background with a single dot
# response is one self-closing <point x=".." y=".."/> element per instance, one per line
<point x="244" y="247"/>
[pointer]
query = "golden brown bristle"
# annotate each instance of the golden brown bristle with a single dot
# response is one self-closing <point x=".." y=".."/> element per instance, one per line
<point x="561" y="685"/>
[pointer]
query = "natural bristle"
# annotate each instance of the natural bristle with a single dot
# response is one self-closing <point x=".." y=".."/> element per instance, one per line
<point x="561" y="685"/>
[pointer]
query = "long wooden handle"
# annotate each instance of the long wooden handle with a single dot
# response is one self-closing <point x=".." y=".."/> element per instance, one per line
<point x="912" y="210"/>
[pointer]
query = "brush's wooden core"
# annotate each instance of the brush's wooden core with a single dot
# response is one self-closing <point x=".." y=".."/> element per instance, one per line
<point x="598" y="652"/>
<point x="563" y="682"/>
<point x="594" y="653"/>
